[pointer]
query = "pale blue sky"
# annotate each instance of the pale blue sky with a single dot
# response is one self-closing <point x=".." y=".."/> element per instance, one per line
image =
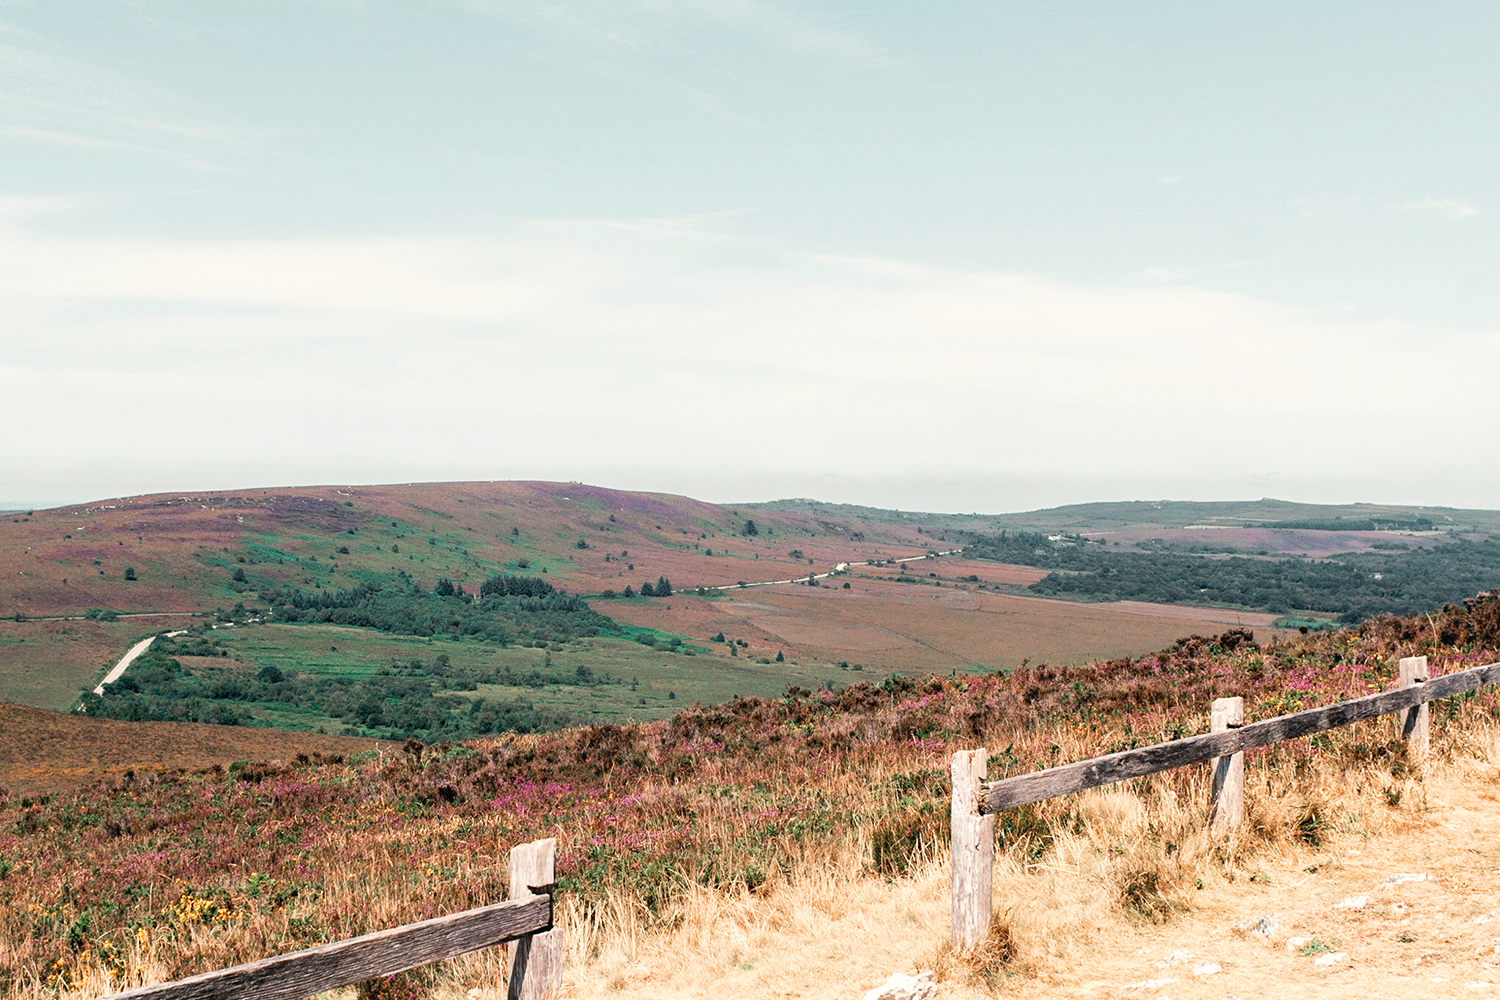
<point x="959" y="256"/>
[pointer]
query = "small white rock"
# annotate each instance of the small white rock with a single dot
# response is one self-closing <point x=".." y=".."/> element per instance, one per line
<point x="1332" y="958"/>
<point x="1406" y="877"/>
<point x="1175" y="958"/>
<point x="1352" y="903"/>
<point x="1264" y="925"/>
<point x="1149" y="984"/>
<point x="1293" y="943"/>
<point x="903" y="987"/>
<point x="1207" y="969"/>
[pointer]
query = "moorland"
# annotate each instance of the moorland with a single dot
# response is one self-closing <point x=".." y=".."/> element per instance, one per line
<point x="449" y="611"/>
<point x="716" y="709"/>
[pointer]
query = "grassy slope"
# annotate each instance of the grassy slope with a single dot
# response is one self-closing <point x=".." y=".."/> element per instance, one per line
<point x="185" y="549"/>
<point x="647" y="683"/>
<point x="44" y="752"/>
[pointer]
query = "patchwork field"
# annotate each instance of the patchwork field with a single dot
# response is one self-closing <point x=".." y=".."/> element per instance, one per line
<point x="193" y="559"/>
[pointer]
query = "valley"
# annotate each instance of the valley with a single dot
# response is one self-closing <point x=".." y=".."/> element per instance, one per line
<point x="755" y="598"/>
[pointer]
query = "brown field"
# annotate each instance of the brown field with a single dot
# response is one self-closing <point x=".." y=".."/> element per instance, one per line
<point x="906" y="627"/>
<point x="959" y="568"/>
<point x="43" y="751"/>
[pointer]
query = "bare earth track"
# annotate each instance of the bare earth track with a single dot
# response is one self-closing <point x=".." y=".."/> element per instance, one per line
<point x="1437" y="937"/>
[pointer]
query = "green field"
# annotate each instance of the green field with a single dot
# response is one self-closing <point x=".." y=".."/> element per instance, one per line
<point x="627" y="681"/>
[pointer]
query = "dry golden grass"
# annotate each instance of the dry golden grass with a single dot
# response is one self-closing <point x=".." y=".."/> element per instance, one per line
<point x="796" y="847"/>
<point x="1136" y="878"/>
<point x="1131" y="877"/>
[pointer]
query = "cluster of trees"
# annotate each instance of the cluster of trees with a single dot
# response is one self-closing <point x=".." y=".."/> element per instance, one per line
<point x="510" y="609"/>
<point x="401" y="701"/>
<point x="662" y="588"/>
<point x="1354" y="586"/>
<point x="506" y="585"/>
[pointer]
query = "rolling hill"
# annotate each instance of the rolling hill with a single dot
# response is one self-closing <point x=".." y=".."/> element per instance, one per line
<point x="79" y="584"/>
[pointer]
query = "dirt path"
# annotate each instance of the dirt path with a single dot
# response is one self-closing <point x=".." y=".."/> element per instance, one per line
<point x="1412" y="912"/>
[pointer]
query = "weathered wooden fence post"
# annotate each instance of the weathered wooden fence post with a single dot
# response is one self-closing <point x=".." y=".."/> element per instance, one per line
<point x="534" y="964"/>
<point x="1228" y="810"/>
<point x="1414" y="723"/>
<point x="973" y="848"/>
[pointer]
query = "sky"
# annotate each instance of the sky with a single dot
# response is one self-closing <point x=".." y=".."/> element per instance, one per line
<point x="958" y="257"/>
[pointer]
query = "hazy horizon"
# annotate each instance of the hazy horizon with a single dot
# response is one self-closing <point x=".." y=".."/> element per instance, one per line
<point x="854" y="499"/>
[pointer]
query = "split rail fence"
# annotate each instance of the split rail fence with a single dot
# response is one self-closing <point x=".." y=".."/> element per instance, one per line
<point x="533" y="965"/>
<point x="976" y="801"/>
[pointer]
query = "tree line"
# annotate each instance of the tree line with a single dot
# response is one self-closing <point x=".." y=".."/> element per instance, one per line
<point x="1353" y="586"/>
<point x="509" y="609"/>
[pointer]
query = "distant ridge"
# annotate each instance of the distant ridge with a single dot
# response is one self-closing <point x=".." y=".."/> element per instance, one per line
<point x="1129" y="515"/>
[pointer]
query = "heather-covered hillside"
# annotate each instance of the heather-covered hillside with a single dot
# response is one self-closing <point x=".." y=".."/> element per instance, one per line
<point x="168" y="874"/>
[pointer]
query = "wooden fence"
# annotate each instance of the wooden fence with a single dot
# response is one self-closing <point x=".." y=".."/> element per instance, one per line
<point x="533" y="965"/>
<point x="975" y="801"/>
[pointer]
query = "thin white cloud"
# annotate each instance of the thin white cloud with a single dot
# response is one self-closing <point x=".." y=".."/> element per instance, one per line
<point x="674" y="345"/>
<point x="638" y="26"/>
<point x="789" y="27"/>
<point x="1171" y="180"/>
<point x="1443" y="206"/>
<point x="54" y="98"/>
<point x="1178" y="273"/>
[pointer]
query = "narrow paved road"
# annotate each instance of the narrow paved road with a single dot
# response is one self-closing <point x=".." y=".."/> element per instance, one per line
<point x="129" y="658"/>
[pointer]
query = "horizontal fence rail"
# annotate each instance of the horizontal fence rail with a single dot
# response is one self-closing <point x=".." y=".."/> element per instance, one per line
<point x="1126" y="764"/>
<point x="976" y="801"/>
<point x="525" y="920"/>
<point x="303" y="973"/>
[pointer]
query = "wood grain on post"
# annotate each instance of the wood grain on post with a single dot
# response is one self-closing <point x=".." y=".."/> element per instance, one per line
<point x="1056" y="781"/>
<point x="1414" y="724"/>
<point x="973" y="850"/>
<point x="1228" y="772"/>
<point x="303" y="973"/>
<point x="534" y="964"/>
